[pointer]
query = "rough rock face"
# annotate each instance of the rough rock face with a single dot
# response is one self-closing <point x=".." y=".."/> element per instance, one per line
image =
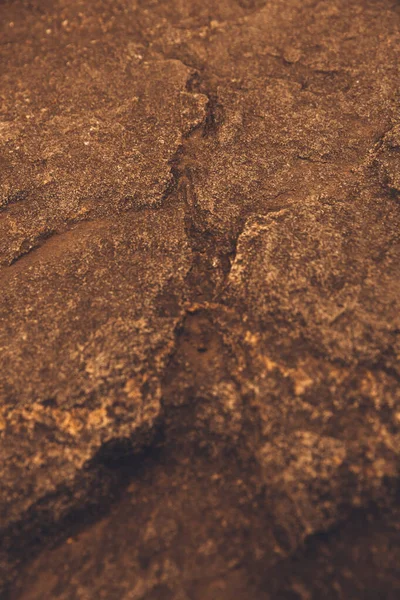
<point x="200" y="276"/>
<point x="83" y="349"/>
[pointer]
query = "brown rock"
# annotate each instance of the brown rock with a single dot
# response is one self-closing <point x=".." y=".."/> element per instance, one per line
<point x="199" y="265"/>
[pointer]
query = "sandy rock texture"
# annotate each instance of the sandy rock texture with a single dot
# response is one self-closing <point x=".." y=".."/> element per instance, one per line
<point x="200" y="299"/>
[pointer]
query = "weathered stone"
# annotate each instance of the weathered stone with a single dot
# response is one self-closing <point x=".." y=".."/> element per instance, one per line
<point x="83" y="349"/>
<point x="199" y="236"/>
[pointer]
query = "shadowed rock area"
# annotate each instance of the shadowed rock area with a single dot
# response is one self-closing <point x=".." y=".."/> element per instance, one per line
<point x="200" y="307"/>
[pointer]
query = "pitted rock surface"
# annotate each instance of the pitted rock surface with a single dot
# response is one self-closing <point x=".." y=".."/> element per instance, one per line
<point x="200" y="314"/>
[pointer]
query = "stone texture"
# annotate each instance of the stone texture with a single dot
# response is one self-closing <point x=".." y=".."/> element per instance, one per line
<point x="83" y="349"/>
<point x="200" y="275"/>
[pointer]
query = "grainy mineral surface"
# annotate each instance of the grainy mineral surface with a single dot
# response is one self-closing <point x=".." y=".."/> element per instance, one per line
<point x="200" y="299"/>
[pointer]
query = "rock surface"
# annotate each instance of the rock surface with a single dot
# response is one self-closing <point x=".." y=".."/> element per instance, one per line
<point x="200" y="314"/>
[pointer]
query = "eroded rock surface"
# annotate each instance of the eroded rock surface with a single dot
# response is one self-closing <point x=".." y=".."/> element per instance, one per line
<point x="200" y="260"/>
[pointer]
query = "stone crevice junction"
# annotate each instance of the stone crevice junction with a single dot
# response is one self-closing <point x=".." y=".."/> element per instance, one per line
<point x="200" y="299"/>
